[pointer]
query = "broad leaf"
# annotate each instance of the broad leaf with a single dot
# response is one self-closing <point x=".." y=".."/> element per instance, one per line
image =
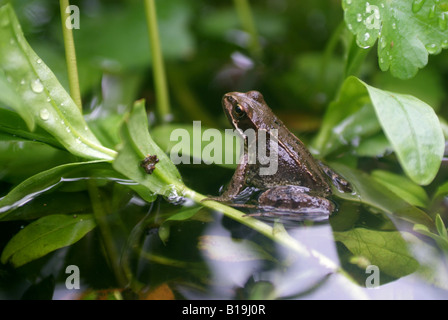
<point x="406" y="31"/>
<point x="410" y="125"/>
<point x="40" y="99"/>
<point x="417" y="139"/>
<point x="46" y="235"/>
<point x="385" y="249"/>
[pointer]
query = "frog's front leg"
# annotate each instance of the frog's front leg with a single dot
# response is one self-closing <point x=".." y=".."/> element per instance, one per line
<point x="338" y="181"/>
<point x="236" y="184"/>
<point x="293" y="201"/>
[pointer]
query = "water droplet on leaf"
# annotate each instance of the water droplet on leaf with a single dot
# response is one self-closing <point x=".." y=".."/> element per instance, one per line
<point x="366" y="36"/>
<point x="39" y="61"/>
<point x="44" y="114"/>
<point x="37" y="86"/>
<point x="359" y="17"/>
<point x="432" y="48"/>
<point x="445" y="44"/>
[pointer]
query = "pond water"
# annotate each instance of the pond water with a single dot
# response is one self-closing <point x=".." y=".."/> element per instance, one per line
<point x="213" y="257"/>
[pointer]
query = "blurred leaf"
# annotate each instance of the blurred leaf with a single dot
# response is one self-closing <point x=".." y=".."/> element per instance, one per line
<point x="41" y="182"/>
<point x="441" y="229"/>
<point x="403" y="187"/>
<point x="375" y="146"/>
<point x="44" y="236"/>
<point x="351" y="103"/>
<point x="42" y="97"/>
<point x="184" y="214"/>
<point x="372" y="193"/>
<point x="104" y="39"/>
<point x="407" y="31"/>
<point x="440" y="239"/>
<point x="427" y="85"/>
<point x="442" y="190"/>
<point x="136" y="145"/>
<point x="385" y="249"/>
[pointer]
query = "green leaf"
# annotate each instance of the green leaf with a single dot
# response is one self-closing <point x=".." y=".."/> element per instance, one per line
<point x="372" y="193"/>
<point x="442" y="191"/>
<point x="136" y="145"/>
<point x="385" y="249"/>
<point x="403" y="187"/>
<point x="40" y="99"/>
<point x="10" y="97"/>
<point x="42" y="182"/>
<point x="441" y="241"/>
<point x="441" y="229"/>
<point x="46" y="235"/>
<point x="375" y="146"/>
<point x="407" y="31"/>
<point x="418" y="140"/>
<point x="12" y="124"/>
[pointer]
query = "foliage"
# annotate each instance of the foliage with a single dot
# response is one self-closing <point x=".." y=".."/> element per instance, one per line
<point x="68" y="172"/>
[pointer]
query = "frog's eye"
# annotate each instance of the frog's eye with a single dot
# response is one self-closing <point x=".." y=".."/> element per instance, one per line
<point x="239" y="111"/>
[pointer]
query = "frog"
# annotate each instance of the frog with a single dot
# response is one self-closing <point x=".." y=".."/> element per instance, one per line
<point x="301" y="186"/>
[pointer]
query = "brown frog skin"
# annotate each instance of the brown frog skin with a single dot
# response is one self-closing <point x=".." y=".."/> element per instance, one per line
<point x="301" y="183"/>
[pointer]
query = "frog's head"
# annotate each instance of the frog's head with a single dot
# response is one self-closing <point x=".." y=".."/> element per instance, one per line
<point x="246" y="110"/>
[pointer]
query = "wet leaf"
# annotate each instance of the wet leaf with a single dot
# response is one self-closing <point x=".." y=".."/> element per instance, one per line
<point x="44" y="236"/>
<point x="407" y="31"/>
<point x="40" y="99"/>
<point x="385" y="249"/>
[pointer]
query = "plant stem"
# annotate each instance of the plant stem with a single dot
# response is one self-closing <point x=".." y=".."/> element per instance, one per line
<point x="70" y="55"/>
<point x="163" y="104"/>
<point x="245" y="14"/>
